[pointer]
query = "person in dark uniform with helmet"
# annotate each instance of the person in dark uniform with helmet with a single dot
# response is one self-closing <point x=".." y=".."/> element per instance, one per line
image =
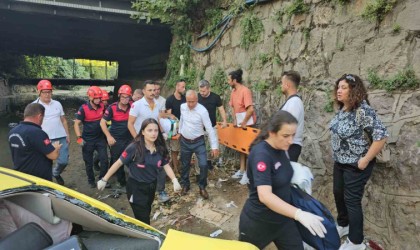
<point x="145" y="158"/>
<point x="118" y="135"/>
<point x="31" y="148"/>
<point x="92" y="138"/>
<point x="267" y="215"/>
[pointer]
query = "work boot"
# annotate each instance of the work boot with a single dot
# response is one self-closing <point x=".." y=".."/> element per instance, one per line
<point x="185" y="190"/>
<point x="59" y="180"/>
<point x="163" y="197"/>
<point x="204" y="193"/>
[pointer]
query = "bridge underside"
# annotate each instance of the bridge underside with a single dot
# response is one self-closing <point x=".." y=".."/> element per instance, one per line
<point x="132" y="44"/>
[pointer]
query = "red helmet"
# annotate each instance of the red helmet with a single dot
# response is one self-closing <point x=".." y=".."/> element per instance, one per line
<point x="94" y="92"/>
<point x="44" y="85"/>
<point x="105" y="95"/>
<point x="125" y="89"/>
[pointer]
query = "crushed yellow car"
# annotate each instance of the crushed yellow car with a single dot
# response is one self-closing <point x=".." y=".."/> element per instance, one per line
<point x="39" y="214"/>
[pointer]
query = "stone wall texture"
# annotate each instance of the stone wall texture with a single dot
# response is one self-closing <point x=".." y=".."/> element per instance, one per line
<point x="340" y="41"/>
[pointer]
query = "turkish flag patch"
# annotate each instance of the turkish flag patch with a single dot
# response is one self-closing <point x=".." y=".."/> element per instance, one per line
<point x="106" y="112"/>
<point x="79" y="113"/>
<point x="47" y="141"/>
<point x="261" y="166"/>
<point x="159" y="163"/>
<point x="124" y="154"/>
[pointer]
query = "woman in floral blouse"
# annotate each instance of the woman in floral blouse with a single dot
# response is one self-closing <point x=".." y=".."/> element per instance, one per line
<point x="357" y="136"/>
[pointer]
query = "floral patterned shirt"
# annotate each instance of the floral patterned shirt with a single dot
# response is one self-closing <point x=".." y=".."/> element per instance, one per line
<point x="348" y="140"/>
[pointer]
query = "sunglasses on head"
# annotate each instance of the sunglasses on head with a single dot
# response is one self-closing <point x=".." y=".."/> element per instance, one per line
<point x="349" y="77"/>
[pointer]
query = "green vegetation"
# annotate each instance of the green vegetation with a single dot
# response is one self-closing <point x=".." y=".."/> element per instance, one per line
<point x="404" y="79"/>
<point x="264" y="58"/>
<point x="277" y="60"/>
<point x="252" y="28"/>
<point x="329" y="106"/>
<point x="213" y="17"/>
<point x="298" y="7"/>
<point x="306" y="33"/>
<point x="219" y="81"/>
<point x="376" y="10"/>
<point x="279" y="35"/>
<point x="396" y="28"/>
<point x="260" y="86"/>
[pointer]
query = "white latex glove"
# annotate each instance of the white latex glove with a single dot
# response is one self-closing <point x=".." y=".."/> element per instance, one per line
<point x="177" y="187"/>
<point x="311" y="222"/>
<point x="101" y="184"/>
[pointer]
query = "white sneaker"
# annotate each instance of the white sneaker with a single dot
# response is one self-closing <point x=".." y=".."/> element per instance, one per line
<point x="342" y="231"/>
<point x="238" y="174"/>
<point x="244" y="180"/>
<point x="348" y="245"/>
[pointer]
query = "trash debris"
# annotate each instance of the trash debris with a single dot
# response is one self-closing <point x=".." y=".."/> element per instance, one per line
<point x="157" y="213"/>
<point x="216" y="233"/>
<point x="219" y="182"/>
<point x="231" y="204"/>
<point x="115" y="194"/>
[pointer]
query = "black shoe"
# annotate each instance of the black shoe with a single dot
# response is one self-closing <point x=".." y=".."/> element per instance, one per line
<point x="185" y="190"/>
<point x="92" y="184"/>
<point x="59" y="180"/>
<point x="204" y="194"/>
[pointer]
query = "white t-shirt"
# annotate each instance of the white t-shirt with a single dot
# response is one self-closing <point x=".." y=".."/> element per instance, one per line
<point x="52" y="124"/>
<point x="141" y="110"/>
<point x="162" y="101"/>
<point x="295" y="107"/>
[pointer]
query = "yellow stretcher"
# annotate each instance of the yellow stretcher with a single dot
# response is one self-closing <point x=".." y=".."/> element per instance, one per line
<point x="237" y="138"/>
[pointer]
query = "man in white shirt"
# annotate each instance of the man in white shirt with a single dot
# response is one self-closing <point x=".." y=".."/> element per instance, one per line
<point x="289" y="83"/>
<point x="55" y="125"/>
<point x="158" y="98"/>
<point x="144" y="108"/>
<point x="194" y="118"/>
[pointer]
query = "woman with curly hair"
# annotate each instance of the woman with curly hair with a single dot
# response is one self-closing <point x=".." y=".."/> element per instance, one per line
<point x="357" y="136"/>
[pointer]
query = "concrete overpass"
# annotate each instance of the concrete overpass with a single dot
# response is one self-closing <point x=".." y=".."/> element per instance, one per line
<point x="91" y="29"/>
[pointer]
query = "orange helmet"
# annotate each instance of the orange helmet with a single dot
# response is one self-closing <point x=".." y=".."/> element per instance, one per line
<point x="94" y="92"/>
<point x="105" y="95"/>
<point x="125" y="89"/>
<point x="44" y="85"/>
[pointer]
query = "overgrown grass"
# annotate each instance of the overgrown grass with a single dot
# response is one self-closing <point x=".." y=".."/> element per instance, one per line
<point x="260" y="86"/>
<point x="298" y="7"/>
<point x="219" y="81"/>
<point x="403" y="80"/>
<point x="252" y="28"/>
<point x="376" y="10"/>
<point x="396" y="28"/>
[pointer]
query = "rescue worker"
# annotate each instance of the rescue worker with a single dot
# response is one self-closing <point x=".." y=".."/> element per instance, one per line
<point x="55" y="125"/>
<point x="32" y="150"/>
<point x="92" y="138"/>
<point x="118" y="136"/>
<point x="145" y="157"/>
<point x="105" y="98"/>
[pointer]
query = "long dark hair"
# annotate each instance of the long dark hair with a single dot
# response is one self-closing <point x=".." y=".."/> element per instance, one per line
<point x="274" y="125"/>
<point x="357" y="91"/>
<point x="141" y="144"/>
<point x="236" y="75"/>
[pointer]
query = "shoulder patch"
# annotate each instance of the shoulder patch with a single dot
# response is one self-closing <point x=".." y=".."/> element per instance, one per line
<point x="106" y="112"/>
<point x="47" y="141"/>
<point x="124" y="154"/>
<point x="261" y="166"/>
<point x="277" y="165"/>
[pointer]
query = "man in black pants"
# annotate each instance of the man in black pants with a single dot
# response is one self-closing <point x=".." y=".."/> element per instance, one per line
<point x="118" y="135"/>
<point x="289" y="83"/>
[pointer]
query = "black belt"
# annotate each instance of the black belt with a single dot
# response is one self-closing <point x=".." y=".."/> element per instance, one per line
<point x="193" y="140"/>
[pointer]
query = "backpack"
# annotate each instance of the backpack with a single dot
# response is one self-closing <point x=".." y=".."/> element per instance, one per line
<point x="307" y="203"/>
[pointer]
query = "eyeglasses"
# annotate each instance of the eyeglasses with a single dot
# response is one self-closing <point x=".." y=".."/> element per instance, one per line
<point x="124" y="97"/>
<point x="349" y="77"/>
<point x="46" y="92"/>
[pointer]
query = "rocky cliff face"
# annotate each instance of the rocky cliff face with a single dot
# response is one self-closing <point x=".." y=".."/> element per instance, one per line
<point x="322" y="45"/>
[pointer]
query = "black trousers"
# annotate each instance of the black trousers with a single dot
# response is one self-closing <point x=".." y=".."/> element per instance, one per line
<point x="260" y="234"/>
<point x="116" y="151"/>
<point x="140" y="196"/>
<point x="348" y="187"/>
<point x="87" y="151"/>
<point x="294" y="152"/>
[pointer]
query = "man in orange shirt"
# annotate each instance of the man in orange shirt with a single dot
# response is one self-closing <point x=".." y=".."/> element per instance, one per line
<point x="244" y="114"/>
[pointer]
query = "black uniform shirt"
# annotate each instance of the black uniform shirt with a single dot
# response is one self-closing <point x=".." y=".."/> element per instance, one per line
<point x="119" y="118"/>
<point x="91" y="119"/>
<point x="267" y="166"/>
<point x="175" y="105"/>
<point x="145" y="171"/>
<point x="211" y="103"/>
<point x="29" y="145"/>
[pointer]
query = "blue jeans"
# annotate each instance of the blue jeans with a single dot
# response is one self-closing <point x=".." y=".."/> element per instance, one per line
<point x="187" y="149"/>
<point x="63" y="157"/>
